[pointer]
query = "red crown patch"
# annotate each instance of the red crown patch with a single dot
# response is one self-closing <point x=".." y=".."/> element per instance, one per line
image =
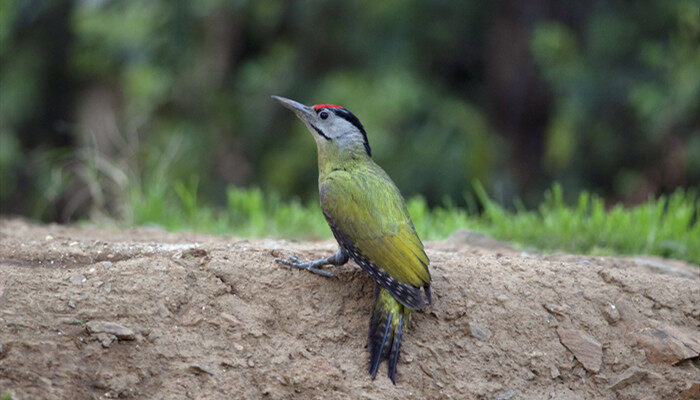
<point x="320" y="106"/>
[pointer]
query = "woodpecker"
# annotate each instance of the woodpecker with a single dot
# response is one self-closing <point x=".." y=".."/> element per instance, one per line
<point x="370" y="222"/>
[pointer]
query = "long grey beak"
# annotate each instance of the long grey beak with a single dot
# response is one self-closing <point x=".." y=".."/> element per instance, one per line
<point x="303" y="112"/>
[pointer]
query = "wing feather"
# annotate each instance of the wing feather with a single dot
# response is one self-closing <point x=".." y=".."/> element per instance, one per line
<point x="367" y="212"/>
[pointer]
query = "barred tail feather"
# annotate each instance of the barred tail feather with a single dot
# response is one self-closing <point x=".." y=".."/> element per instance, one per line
<point x="394" y="353"/>
<point x="385" y="330"/>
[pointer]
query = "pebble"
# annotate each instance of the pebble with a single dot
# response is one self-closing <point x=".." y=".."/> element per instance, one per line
<point x="108" y="287"/>
<point x="587" y="350"/>
<point x="610" y="313"/>
<point x="200" y="369"/>
<point x="106" y="339"/>
<point x="115" y="329"/>
<point x="480" y="331"/>
<point x="229" y="318"/>
<point x="77" y="279"/>
<point x="507" y="395"/>
<point x="106" y="263"/>
<point x="667" y="344"/>
<point x="554" y="371"/>
<point x="630" y="376"/>
<point x="71" y="304"/>
<point x="251" y="363"/>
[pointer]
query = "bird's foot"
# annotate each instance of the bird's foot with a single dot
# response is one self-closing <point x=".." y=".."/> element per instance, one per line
<point x="311" y="266"/>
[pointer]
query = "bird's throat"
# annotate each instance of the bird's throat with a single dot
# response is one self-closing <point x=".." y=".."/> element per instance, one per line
<point x="330" y="159"/>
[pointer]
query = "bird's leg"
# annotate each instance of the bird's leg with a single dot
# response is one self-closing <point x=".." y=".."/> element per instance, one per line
<point x="339" y="258"/>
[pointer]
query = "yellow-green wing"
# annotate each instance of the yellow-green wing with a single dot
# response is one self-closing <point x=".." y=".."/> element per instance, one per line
<point x="369" y="218"/>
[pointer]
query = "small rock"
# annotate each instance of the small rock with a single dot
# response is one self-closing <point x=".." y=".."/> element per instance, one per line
<point x="587" y="350"/>
<point x="77" y="279"/>
<point x="117" y="330"/>
<point x="108" y="287"/>
<point x="200" y="369"/>
<point x="610" y="313"/>
<point x="229" y="318"/>
<point x="106" y="264"/>
<point x="507" y="395"/>
<point x="48" y="237"/>
<point x="191" y="317"/>
<point x="555" y="309"/>
<point x="690" y="338"/>
<point x="251" y="363"/>
<point x="502" y="298"/>
<point x="106" y="339"/>
<point x="629" y="376"/>
<point x="692" y="392"/>
<point x="579" y="371"/>
<point x="666" y="345"/>
<point x="480" y="331"/>
<point x="71" y="304"/>
<point x="600" y="379"/>
<point x="554" y="371"/>
<point x="1" y="349"/>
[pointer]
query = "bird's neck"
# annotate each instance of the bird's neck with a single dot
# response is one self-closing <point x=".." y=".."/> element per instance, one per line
<point x="331" y="160"/>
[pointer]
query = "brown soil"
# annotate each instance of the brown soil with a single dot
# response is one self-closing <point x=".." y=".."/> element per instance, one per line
<point x="213" y="317"/>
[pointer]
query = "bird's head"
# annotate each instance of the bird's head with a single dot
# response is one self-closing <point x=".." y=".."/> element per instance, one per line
<point x="336" y="130"/>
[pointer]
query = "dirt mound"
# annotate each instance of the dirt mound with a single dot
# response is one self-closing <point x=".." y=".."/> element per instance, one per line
<point x="88" y="313"/>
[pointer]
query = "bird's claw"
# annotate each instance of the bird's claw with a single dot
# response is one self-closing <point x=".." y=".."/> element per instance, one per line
<point x="309" y="266"/>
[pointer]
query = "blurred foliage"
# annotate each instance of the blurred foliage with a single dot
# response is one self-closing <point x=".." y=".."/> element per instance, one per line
<point x="105" y="103"/>
<point x="665" y="227"/>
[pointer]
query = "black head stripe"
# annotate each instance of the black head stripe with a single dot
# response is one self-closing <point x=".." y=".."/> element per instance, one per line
<point x="320" y="132"/>
<point x="351" y="118"/>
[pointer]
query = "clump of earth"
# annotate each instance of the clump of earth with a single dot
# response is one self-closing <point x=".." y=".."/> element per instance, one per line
<point x="87" y="313"/>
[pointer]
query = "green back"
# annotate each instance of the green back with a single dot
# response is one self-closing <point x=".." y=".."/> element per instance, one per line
<point x="365" y="205"/>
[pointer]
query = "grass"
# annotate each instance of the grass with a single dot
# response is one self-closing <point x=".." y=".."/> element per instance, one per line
<point x="667" y="226"/>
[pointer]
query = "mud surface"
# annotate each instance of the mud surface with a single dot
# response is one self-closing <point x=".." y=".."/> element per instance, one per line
<point x="144" y="314"/>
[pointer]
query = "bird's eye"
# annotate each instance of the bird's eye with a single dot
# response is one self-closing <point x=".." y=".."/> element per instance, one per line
<point x="323" y="115"/>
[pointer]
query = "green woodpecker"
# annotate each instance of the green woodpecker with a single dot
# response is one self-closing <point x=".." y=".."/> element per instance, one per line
<point x="369" y="219"/>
